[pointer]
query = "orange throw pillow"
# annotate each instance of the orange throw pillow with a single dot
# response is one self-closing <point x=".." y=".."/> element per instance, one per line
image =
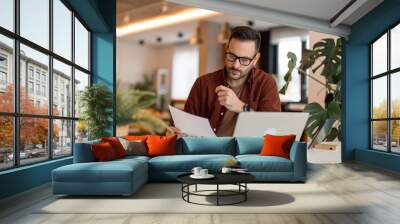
<point x="277" y="145"/>
<point x="103" y="152"/>
<point x="161" y="145"/>
<point x="136" y="137"/>
<point x="116" y="145"/>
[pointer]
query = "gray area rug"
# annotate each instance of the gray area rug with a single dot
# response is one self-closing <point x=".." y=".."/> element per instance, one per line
<point x="166" y="198"/>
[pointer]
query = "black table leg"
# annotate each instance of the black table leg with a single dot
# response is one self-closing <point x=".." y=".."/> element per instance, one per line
<point x="217" y="194"/>
<point x="245" y="193"/>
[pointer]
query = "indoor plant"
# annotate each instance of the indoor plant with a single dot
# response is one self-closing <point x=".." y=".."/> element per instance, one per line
<point x="134" y="108"/>
<point x="327" y="56"/>
<point x="96" y="102"/>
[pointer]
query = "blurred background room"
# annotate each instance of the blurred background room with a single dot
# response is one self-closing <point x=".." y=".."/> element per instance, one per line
<point x="162" y="47"/>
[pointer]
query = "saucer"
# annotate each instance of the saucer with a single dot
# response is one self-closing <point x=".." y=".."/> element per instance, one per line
<point x="208" y="176"/>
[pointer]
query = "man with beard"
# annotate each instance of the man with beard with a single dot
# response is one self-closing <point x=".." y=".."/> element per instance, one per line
<point x="238" y="87"/>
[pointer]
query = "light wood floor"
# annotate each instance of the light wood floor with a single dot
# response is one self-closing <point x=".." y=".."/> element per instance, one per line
<point x="377" y="188"/>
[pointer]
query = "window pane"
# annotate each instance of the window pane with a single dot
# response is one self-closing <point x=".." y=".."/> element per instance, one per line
<point x="7" y="14"/>
<point x="62" y="89"/>
<point x="34" y="72"/>
<point x="395" y="47"/>
<point x="35" y="21"/>
<point x="6" y="142"/>
<point x="62" y="138"/>
<point x="62" y="29"/>
<point x="81" y="131"/>
<point x="185" y="70"/>
<point x="6" y="74"/>
<point x="379" y="135"/>
<point x="81" y="81"/>
<point x="81" y="45"/>
<point x="379" y="55"/>
<point x="379" y="97"/>
<point x="395" y="95"/>
<point x="395" y="136"/>
<point x="33" y="139"/>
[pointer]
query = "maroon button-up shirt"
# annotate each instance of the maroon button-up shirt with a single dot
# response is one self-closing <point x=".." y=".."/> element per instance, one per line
<point x="259" y="91"/>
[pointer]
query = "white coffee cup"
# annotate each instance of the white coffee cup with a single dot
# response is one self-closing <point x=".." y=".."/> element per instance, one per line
<point x="196" y="170"/>
<point x="203" y="172"/>
<point x="226" y="170"/>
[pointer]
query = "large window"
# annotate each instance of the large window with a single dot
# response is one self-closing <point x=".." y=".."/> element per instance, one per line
<point x="185" y="71"/>
<point x="44" y="64"/>
<point x="385" y="96"/>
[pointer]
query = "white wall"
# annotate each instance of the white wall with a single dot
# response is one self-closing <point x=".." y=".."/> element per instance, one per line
<point x="134" y="60"/>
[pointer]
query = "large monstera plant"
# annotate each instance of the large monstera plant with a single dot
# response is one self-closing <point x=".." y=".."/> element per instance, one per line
<point x="327" y="56"/>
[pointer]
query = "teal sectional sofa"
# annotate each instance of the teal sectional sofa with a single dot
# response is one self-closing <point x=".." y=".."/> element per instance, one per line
<point x="125" y="176"/>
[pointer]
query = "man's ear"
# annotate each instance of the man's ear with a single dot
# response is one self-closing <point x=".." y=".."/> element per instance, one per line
<point x="255" y="60"/>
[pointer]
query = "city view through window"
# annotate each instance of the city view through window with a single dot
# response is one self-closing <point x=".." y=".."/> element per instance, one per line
<point x="385" y="95"/>
<point x="39" y="113"/>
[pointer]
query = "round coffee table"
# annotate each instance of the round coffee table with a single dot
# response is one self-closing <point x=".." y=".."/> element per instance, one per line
<point x="238" y="179"/>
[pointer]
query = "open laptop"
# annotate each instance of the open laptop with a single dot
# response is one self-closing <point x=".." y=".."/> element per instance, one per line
<point x="256" y="124"/>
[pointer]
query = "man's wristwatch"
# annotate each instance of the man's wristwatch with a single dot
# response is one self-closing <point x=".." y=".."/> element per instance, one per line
<point x="246" y="108"/>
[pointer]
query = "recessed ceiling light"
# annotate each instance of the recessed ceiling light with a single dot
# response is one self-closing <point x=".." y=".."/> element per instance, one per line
<point x="162" y="21"/>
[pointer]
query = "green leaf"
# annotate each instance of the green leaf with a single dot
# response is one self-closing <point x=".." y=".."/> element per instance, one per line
<point x="284" y="89"/>
<point x="308" y="59"/>
<point x="334" y="110"/>
<point x="288" y="76"/>
<point x="316" y="119"/>
<point x="329" y="53"/>
<point x="332" y="135"/>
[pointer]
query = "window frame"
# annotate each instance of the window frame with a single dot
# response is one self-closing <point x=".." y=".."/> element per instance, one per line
<point x="388" y="74"/>
<point x="16" y="114"/>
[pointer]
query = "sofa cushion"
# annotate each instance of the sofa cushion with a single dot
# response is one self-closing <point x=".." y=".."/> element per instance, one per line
<point x="112" y="171"/>
<point x="185" y="163"/>
<point x="249" y="145"/>
<point x="206" y="145"/>
<point x="161" y="145"/>
<point x="257" y="163"/>
<point x="277" y="145"/>
<point x="132" y="158"/>
<point x="116" y="145"/>
<point x="134" y="147"/>
<point x="103" y="152"/>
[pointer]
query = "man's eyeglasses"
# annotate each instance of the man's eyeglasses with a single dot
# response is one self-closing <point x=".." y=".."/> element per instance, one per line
<point x="245" y="61"/>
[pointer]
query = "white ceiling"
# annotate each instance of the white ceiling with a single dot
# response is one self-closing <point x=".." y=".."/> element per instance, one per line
<point x="314" y="15"/>
<point x="321" y="9"/>
<point x="170" y="34"/>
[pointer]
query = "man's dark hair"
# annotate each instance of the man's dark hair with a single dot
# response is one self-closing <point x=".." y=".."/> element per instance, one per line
<point x="246" y="33"/>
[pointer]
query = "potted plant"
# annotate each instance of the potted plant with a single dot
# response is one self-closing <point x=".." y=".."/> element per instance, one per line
<point x="134" y="108"/>
<point x="96" y="102"/>
<point x="327" y="56"/>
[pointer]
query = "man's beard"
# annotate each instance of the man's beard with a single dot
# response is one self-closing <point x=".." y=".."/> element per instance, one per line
<point x="241" y="74"/>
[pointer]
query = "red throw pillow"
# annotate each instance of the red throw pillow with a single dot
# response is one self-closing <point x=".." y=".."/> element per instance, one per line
<point x="116" y="145"/>
<point x="277" y="145"/>
<point x="161" y="145"/>
<point x="103" y="151"/>
<point x="136" y="137"/>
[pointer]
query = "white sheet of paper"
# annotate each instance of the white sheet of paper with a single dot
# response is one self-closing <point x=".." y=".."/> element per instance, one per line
<point x="190" y="124"/>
